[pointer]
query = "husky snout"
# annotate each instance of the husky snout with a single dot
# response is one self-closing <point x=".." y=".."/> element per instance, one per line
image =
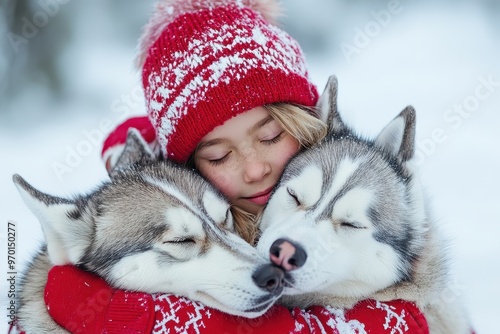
<point x="270" y="278"/>
<point x="287" y="254"/>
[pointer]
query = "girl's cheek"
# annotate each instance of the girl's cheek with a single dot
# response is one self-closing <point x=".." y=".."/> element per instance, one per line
<point x="283" y="155"/>
<point x="220" y="179"/>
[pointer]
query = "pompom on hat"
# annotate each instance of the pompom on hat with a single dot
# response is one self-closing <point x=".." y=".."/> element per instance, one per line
<point x="204" y="62"/>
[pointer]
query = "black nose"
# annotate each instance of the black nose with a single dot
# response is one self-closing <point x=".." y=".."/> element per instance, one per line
<point x="287" y="254"/>
<point x="269" y="277"/>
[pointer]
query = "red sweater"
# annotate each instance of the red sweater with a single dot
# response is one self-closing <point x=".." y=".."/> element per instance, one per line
<point x="84" y="303"/>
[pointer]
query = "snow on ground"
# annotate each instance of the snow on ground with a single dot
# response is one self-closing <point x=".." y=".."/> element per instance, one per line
<point x="443" y="62"/>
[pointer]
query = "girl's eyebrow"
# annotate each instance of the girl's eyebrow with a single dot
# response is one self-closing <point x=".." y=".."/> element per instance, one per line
<point x="212" y="142"/>
<point x="254" y="128"/>
<point x="260" y="124"/>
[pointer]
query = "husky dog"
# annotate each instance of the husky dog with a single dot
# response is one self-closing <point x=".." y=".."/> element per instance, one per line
<point x="155" y="227"/>
<point x="349" y="221"/>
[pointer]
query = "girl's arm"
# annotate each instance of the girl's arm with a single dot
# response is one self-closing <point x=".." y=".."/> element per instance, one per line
<point x="180" y="315"/>
<point x="84" y="303"/>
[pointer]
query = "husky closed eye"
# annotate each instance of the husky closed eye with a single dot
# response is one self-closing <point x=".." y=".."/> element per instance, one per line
<point x="180" y="241"/>
<point x="351" y="225"/>
<point x="294" y="196"/>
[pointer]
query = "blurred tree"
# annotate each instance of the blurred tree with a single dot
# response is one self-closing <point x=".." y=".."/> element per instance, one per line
<point x="40" y="34"/>
<point x="36" y="33"/>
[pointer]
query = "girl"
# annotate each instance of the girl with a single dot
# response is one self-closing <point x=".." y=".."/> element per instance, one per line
<point x="227" y="93"/>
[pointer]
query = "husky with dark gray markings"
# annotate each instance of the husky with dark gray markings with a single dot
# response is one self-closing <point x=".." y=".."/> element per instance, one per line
<point x="349" y="221"/>
<point x="148" y="229"/>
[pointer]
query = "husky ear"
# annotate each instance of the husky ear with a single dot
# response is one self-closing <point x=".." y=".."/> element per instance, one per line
<point x="66" y="235"/>
<point x="327" y="107"/>
<point x="398" y="137"/>
<point x="136" y="150"/>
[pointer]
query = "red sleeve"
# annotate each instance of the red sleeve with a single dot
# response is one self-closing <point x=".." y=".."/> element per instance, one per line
<point x="401" y="315"/>
<point x="176" y="314"/>
<point x="115" y="142"/>
<point x="180" y="315"/>
<point x="84" y="303"/>
<point x="370" y="316"/>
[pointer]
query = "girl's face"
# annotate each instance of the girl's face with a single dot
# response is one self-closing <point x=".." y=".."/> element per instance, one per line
<point x="245" y="156"/>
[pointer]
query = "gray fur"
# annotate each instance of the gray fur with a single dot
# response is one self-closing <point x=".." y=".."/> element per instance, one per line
<point x="136" y="151"/>
<point x="31" y="312"/>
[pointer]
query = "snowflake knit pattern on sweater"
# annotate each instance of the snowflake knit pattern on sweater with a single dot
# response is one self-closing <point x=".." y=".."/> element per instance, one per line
<point x="174" y="314"/>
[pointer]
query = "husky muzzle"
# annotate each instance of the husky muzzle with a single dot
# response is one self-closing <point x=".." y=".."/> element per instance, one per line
<point x="271" y="278"/>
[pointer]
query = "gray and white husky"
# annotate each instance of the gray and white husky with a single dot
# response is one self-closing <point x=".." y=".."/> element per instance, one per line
<point x="357" y="222"/>
<point x="155" y="227"/>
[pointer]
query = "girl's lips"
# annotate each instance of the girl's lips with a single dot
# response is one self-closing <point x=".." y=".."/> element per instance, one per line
<point x="260" y="198"/>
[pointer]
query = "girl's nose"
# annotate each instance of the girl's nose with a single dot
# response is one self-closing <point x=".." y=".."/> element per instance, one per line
<point x="255" y="168"/>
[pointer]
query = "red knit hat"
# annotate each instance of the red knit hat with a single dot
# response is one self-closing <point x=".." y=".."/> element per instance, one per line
<point x="204" y="62"/>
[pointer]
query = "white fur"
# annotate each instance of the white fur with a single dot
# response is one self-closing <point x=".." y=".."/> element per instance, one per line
<point x="308" y="193"/>
<point x="391" y="136"/>
<point x="345" y="170"/>
<point x="353" y="206"/>
<point x="57" y="228"/>
<point x="216" y="208"/>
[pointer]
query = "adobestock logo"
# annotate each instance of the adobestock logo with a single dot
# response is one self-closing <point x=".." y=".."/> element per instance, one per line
<point x="94" y="138"/>
<point x="483" y="91"/>
<point x="75" y="155"/>
<point x="363" y="37"/>
<point x="455" y="117"/>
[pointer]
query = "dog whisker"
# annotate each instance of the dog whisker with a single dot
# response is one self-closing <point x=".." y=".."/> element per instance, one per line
<point x="125" y="273"/>
<point x="289" y="284"/>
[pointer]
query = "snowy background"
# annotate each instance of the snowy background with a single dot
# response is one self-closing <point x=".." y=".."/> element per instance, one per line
<point x="67" y="78"/>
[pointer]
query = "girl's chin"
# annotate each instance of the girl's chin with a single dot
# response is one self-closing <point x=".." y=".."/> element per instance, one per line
<point x="250" y="206"/>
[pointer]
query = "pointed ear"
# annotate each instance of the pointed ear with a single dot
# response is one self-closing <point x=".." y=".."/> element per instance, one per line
<point x="327" y="107"/>
<point x="398" y="137"/>
<point x="136" y="150"/>
<point x="66" y="234"/>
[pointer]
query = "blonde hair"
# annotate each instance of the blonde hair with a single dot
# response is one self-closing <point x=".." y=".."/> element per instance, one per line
<point x="300" y="122"/>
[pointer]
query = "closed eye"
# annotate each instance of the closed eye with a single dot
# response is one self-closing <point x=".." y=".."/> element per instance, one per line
<point x="352" y="225"/>
<point x="294" y="196"/>
<point x="274" y="140"/>
<point x="183" y="241"/>
<point x="217" y="162"/>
